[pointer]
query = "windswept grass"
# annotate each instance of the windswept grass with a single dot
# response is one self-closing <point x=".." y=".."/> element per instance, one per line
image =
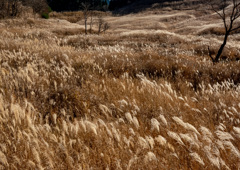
<point x="129" y="100"/>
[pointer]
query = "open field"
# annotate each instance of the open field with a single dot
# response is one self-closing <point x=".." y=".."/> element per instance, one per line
<point x="144" y="95"/>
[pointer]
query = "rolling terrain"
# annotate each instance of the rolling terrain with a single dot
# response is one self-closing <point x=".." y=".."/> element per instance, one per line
<point x="142" y="95"/>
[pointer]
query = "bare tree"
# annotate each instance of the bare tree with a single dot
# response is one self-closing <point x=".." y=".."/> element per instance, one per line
<point x="102" y="25"/>
<point x="106" y="26"/>
<point x="10" y="8"/>
<point x="85" y="7"/>
<point x="230" y="21"/>
<point x="91" y="21"/>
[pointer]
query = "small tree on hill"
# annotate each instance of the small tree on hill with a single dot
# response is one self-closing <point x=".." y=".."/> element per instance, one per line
<point x="103" y="26"/>
<point x="230" y="16"/>
<point x="85" y="7"/>
<point x="100" y="23"/>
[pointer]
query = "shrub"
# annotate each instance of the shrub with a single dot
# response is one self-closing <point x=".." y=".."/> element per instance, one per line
<point x="45" y="15"/>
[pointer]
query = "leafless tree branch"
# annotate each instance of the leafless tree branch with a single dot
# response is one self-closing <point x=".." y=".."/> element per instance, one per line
<point x="229" y="21"/>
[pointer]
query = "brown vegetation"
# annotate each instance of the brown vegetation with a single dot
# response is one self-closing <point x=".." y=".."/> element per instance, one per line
<point x="133" y="98"/>
<point x="17" y="8"/>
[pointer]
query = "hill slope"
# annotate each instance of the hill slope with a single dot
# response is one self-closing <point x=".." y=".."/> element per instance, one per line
<point x="142" y="95"/>
<point x="143" y="5"/>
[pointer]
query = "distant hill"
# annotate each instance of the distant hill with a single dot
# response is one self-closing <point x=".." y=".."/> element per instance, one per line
<point x="142" y="5"/>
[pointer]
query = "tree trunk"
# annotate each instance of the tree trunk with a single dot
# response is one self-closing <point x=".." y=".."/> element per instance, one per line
<point x="85" y="26"/>
<point x="99" y="28"/>
<point x="222" y="47"/>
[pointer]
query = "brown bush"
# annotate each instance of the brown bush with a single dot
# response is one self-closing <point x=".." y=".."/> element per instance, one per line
<point x="214" y="30"/>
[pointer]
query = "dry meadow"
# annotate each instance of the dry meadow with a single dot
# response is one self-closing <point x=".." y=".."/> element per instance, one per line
<point x="142" y="95"/>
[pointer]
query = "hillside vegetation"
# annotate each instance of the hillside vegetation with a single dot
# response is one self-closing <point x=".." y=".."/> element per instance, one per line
<point x="144" y="95"/>
<point x="154" y="5"/>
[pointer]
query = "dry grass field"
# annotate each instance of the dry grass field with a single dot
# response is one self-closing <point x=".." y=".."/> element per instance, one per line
<point x="144" y="95"/>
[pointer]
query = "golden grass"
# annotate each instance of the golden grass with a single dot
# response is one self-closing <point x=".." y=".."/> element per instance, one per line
<point x="132" y="100"/>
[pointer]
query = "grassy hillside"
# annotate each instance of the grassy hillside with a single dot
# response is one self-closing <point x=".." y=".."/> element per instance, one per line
<point x="144" y="95"/>
<point x="155" y="5"/>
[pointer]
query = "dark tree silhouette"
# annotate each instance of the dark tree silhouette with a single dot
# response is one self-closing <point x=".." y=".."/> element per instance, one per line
<point x="229" y="16"/>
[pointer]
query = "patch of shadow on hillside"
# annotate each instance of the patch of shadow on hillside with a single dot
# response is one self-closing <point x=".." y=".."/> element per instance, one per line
<point x="143" y="5"/>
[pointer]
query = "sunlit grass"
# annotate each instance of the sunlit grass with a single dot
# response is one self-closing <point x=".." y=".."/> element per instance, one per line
<point x="135" y="100"/>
